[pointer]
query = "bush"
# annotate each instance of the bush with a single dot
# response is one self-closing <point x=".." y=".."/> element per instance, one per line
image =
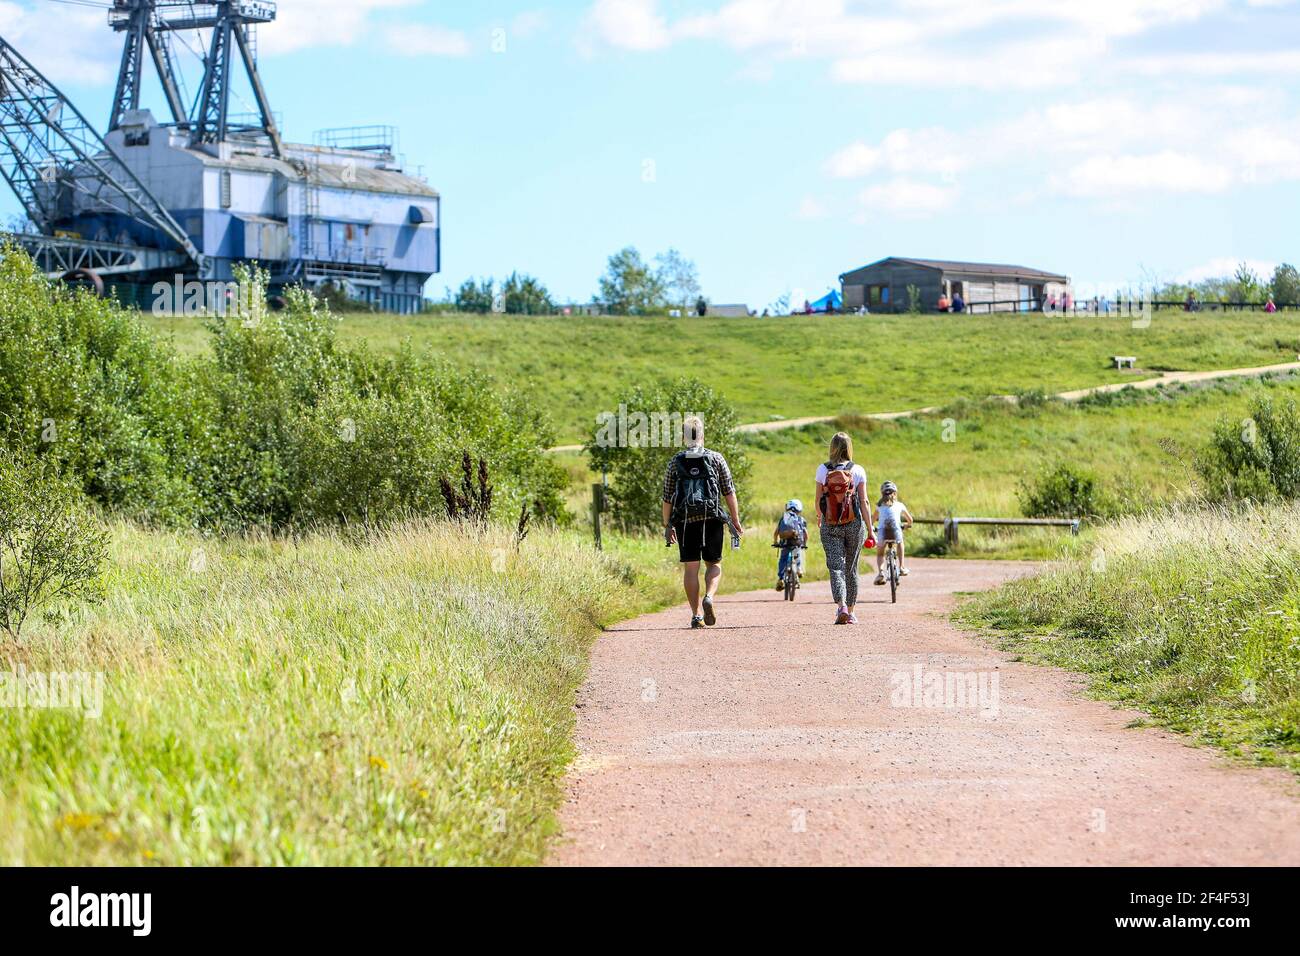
<point x="279" y="427"/>
<point x="1061" y="492"/>
<point x="475" y="296"/>
<point x="84" y="385"/>
<point x="50" y="548"/>
<point x="636" y="461"/>
<point x="1257" y="458"/>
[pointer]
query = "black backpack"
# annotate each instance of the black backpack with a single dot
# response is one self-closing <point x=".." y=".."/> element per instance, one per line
<point x="698" y="493"/>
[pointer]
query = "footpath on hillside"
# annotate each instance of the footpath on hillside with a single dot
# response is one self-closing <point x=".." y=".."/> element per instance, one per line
<point x="1165" y="378"/>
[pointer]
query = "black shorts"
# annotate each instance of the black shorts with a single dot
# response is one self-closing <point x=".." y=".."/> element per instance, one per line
<point x="701" y="540"/>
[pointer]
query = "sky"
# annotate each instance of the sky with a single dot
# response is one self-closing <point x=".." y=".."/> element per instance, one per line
<point x="779" y="143"/>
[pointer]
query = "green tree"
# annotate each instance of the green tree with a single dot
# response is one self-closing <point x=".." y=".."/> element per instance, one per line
<point x="51" y="549"/>
<point x="525" y="295"/>
<point x="629" y="286"/>
<point x="475" y="296"/>
<point x="634" y="445"/>
<point x="680" y="280"/>
<point x="1257" y="457"/>
<point x="1285" y="285"/>
<point x="1245" y="286"/>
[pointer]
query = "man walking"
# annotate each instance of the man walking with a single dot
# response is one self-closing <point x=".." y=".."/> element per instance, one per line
<point x="696" y="484"/>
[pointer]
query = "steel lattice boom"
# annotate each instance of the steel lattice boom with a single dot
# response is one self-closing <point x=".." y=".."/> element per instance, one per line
<point x="48" y="152"/>
<point x="146" y="25"/>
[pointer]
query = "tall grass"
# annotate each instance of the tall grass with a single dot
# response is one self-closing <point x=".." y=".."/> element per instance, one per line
<point x="1192" y="615"/>
<point x="403" y="697"/>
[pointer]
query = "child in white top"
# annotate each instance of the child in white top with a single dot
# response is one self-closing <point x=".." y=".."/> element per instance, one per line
<point x="892" y="517"/>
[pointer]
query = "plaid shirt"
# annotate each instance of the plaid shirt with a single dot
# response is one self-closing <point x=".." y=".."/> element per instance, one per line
<point x="720" y="471"/>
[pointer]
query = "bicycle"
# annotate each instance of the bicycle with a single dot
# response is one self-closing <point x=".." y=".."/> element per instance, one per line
<point x="891" y="568"/>
<point x="791" y="576"/>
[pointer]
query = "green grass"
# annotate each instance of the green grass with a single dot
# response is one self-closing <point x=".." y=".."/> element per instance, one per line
<point x="400" y="699"/>
<point x="782" y="367"/>
<point x="1192" y="616"/>
<point x="1138" y="443"/>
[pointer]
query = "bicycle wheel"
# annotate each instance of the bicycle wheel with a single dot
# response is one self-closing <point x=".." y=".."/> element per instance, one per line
<point x="790" y="581"/>
<point x="893" y="578"/>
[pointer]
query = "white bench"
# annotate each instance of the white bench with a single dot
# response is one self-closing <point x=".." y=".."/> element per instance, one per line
<point x="1123" y="360"/>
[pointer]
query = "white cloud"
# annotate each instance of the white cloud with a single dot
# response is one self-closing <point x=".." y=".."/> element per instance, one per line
<point x="1097" y="149"/>
<point x="300" y="24"/>
<point x="629" y="24"/>
<point x="67" y="44"/>
<point x="421" y="39"/>
<point x="1204" y="65"/>
<point x="901" y="151"/>
<point x="906" y="197"/>
<point x="1023" y="44"/>
<point x="1167" y="171"/>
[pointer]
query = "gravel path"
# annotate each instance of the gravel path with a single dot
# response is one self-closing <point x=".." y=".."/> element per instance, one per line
<point x="776" y="737"/>
<point x="1164" y="378"/>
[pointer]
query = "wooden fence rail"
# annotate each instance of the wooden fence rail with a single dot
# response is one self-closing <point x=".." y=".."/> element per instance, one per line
<point x="951" y="524"/>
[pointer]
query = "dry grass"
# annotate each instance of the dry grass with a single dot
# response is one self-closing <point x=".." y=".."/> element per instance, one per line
<point x="401" y="698"/>
<point x="1192" y="615"/>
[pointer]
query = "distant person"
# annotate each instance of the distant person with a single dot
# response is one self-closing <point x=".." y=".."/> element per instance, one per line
<point x="701" y="307"/>
<point x="943" y="302"/>
<point x="807" y="307"/>
<point x="1105" y="305"/>
<point x="892" y="518"/>
<point x="1191" y="305"/>
<point x="791" y="536"/>
<point x="1270" y="306"/>
<point x="841" y="521"/>
<point x="958" y="303"/>
<point x="696" y="485"/>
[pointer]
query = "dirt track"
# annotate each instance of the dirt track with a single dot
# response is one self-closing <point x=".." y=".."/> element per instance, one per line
<point x="772" y="738"/>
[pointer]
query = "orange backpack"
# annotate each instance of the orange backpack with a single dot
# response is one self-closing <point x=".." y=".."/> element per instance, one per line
<point x="839" y="504"/>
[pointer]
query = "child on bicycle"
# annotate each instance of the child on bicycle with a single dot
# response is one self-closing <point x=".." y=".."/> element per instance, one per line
<point x="791" y="535"/>
<point x="892" y="517"/>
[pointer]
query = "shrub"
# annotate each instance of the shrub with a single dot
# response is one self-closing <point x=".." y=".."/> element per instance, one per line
<point x="50" y="548"/>
<point x="1257" y="458"/>
<point x="475" y="296"/>
<point x="1061" y="491"/>
<point x="279" y="427"/>
<point x="636" y="460"/>
<point x="913" y="300"/>
<point x="84" y="385"/>
<point x="524" y="295"/>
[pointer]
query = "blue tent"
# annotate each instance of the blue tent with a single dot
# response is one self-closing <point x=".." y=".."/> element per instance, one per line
<point x="831" y="300"/>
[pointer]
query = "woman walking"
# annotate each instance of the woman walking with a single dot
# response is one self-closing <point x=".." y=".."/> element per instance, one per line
<point x="841" y="520"/>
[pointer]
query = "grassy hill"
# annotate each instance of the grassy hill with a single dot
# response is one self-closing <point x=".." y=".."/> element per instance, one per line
<point x="797" y="366"/>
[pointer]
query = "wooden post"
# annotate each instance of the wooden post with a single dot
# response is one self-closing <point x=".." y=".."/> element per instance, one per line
<point x="950" y="532"/>
<point x="597" y="506"/>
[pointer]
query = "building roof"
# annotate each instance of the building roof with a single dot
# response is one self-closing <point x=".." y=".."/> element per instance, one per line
<point x="996" y="270"/>
<point x="330" y="175"/>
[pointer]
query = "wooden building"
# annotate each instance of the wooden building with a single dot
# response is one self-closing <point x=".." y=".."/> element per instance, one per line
<point x="883" y="286"/>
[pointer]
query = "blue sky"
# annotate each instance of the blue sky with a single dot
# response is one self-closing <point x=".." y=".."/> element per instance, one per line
<point x="778" y="143"/>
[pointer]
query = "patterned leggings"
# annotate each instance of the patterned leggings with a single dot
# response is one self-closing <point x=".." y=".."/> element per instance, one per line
<point x="843" y="546"/>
